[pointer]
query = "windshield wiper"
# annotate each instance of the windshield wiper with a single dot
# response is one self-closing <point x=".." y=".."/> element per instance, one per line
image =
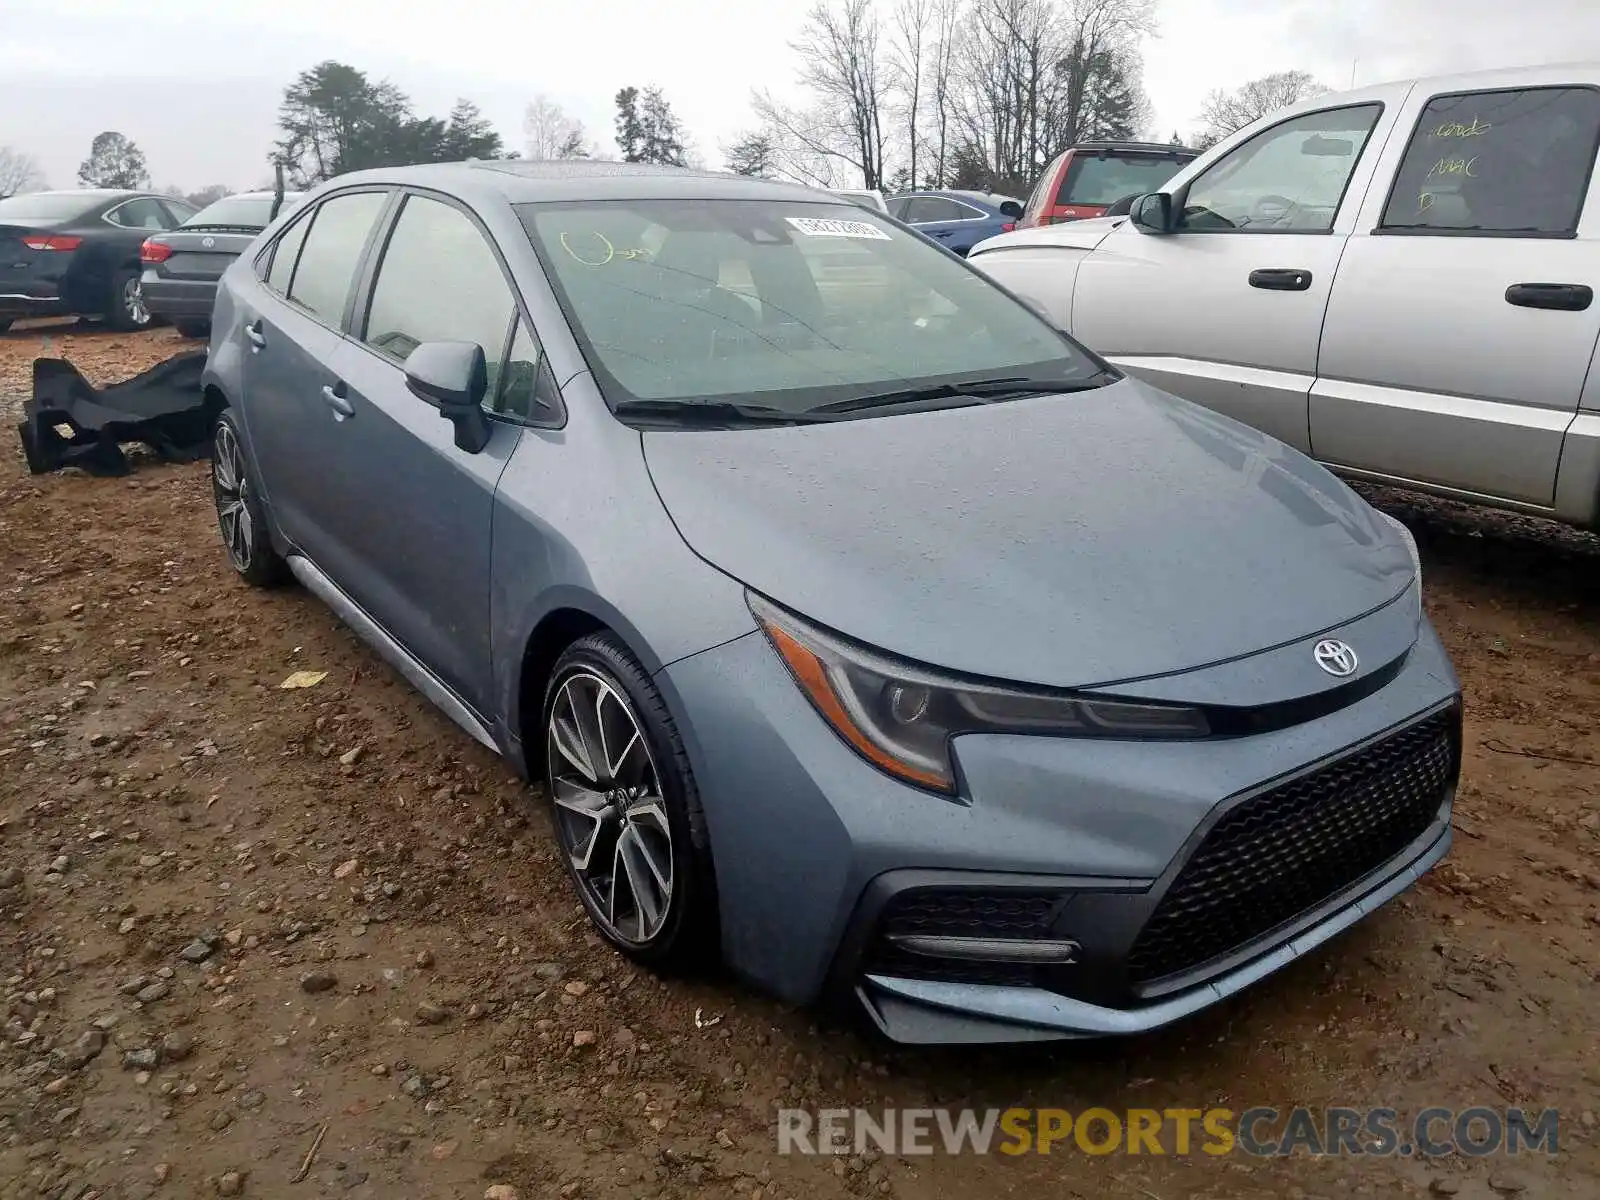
<point x="713" y="413"/>
<point x="222" y="225"/>
<point x="949" y="395"/>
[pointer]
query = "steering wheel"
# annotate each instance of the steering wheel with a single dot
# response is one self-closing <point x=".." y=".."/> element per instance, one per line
<point x="1265" y="204"/>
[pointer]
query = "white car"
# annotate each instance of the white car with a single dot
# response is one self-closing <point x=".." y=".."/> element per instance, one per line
<point x="867" y="197"/>
<point x="1398" y="280"/>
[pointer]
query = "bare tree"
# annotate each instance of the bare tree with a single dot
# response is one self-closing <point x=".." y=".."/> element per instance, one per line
<point x="549" y="132"/>
<point x="19" y="172"/>
<point x="1035" y="76"/>
<point x="946" y="45"/>
<point x="1227" y="112"/>
<point x="841" y="65"/>
<point x="909" y="45"/>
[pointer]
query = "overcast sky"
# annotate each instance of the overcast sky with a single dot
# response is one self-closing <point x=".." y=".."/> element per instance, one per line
<point x="197" y="86"/>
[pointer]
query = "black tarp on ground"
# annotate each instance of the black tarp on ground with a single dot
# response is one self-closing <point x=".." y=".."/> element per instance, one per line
<point x="70" y="423"/>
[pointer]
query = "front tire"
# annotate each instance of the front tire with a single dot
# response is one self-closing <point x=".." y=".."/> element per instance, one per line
<point x="239" y="513"/>
<point x="625" y="807"/>
<point x="125" y="307"/>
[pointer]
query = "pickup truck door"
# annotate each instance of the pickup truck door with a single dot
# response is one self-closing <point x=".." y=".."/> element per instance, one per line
<point x="1227" y="310"/>
<point x="1464" y="317"/>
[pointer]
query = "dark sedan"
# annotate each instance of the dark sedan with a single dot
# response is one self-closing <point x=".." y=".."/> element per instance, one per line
<point x="181" y="268"/>
<point x="77" y="253"/>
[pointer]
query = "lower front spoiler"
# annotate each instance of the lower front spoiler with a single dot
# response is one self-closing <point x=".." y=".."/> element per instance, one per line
<point x="930" y="1012"/>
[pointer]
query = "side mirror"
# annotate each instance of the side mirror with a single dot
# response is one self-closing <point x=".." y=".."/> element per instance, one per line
<point x="453" y="377"/>
<point x="1010" y="208"/>
<point x="1121" y="208"/>
<point x="1152" y="213"/>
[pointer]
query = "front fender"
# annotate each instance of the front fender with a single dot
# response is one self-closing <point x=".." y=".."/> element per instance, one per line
<point x="1043" y="276"/>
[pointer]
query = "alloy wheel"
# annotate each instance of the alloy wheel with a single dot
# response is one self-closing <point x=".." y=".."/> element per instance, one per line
<point x="232" y="485"/>
<point x="133" y="303"/>
<point x="610" y="814"/>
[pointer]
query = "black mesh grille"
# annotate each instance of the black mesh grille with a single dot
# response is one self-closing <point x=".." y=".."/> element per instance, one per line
<point x="956" y="912"/>
<point x="959" y="912"/>
<point x="1278" y="854"/>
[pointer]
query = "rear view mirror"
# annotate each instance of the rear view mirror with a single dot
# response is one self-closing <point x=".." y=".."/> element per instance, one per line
<point x="1326" y="147"/>
<point x="1121" y="208"/>
<point x="454" y="378"/>
<point x="1152" y="213"/>
<point x="1010" y="208"/>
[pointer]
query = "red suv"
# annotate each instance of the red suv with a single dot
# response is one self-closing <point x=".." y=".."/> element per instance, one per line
<point x="1088" y="178"/>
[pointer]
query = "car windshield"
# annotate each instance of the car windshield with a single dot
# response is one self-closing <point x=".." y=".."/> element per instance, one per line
<point x="39" y="208"/>
<point x="240" y="212"/>
<point x="1098" y="179"/>
<point x="792" y="306"/>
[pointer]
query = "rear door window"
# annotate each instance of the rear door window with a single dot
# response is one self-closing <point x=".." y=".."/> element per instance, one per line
<point x="1502" y="163"/>
<point x="143" y="213"/>
<point x="327" y="269"/>
<point x="926" y="209"/>
<point x="1102" y="179"/>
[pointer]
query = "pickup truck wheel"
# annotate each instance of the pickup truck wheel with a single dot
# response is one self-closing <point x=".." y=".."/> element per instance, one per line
<point x="125" y="307"/>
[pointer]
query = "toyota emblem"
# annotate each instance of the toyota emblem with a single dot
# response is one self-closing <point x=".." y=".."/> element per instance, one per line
<point x="1334" y="657"/>
<point x="208" y="242"/>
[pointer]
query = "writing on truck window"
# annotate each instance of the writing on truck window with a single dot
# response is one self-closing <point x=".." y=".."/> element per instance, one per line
<point x="1510" y="162"/>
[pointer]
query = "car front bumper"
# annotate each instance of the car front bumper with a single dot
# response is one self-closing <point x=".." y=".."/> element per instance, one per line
<point x="184" y="299"/>
<point x="1052" y="839"/>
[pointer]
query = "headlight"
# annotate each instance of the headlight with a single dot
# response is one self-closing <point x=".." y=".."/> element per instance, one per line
<point x="1411" y="548"/>
<point x="901" y="717"/>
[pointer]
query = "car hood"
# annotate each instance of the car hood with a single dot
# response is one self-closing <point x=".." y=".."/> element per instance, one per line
<point x="1069" y="541"/>
<point x="1069" y="235"/>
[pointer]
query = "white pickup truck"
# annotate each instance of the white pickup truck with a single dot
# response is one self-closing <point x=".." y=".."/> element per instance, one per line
<point x="1399" y="281"/>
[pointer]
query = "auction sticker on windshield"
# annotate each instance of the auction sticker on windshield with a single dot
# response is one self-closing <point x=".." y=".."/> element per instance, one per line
<point x="825" y="227"/>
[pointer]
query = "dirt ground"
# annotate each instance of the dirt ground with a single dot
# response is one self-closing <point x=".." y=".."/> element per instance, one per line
<point x="237" y="919"/>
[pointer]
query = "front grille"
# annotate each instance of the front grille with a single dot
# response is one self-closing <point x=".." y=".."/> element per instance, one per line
<point x="1275" y="856"/>
<point x="959" y="912"/>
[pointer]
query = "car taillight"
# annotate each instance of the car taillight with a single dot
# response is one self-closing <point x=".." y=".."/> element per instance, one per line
<point x="154" y="252"/>
<point x="50" y="241"/>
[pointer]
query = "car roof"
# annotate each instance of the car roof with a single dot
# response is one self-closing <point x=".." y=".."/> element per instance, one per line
<point x="1156" y="147"/>
<point x="992" y="199"/>
<point x="520" y="181"/>
<point x="257" y="195"/>
<point x="93" y="193"/>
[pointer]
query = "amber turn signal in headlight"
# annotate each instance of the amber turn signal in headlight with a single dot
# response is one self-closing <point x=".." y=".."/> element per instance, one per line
<point x="900" y="717"/>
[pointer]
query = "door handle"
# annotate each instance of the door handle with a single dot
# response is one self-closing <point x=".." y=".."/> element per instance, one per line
<point x="253" y="332"/>
<point x="333" y="395"/>
<point x="1564" y="297"/>
<point x="944" y="233"/>
<point x="1288" y="279"/>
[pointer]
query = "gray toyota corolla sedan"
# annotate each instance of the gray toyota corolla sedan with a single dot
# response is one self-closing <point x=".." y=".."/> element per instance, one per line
<point x="859" y="625"/>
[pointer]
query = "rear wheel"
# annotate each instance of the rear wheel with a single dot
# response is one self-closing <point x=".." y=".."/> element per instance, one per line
<point x="125" y="307"/>
<point x="193" y="329"/>
<point x="626" y="810"/>
<point x="239" y="514"/>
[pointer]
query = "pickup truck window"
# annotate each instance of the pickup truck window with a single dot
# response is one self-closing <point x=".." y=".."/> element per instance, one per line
<point x="1512" y="163"/>
<point x="1287" y="179"/>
